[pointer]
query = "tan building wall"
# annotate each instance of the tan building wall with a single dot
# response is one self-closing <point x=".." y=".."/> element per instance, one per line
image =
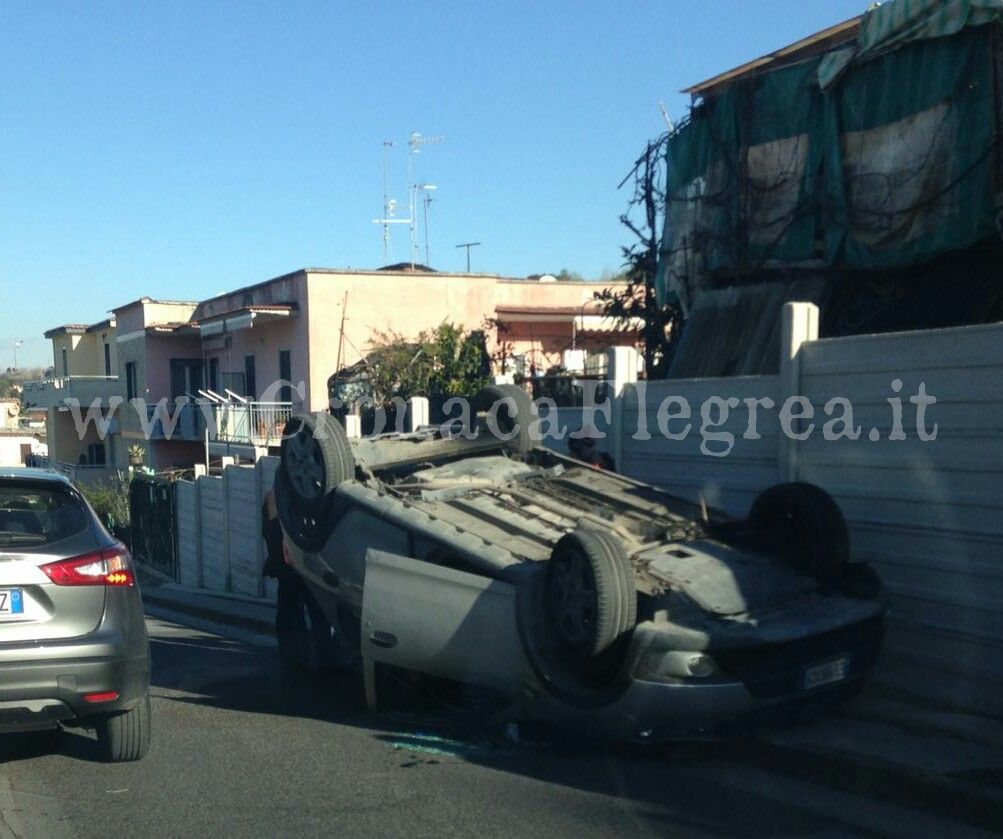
<point x="84" y="353"/>
<point x="380" y="302"/>
<point x="325" y="320"/>
<point x="366" y="303"/>
<point x="67" y="444"/>
<point x="151" y="354"/>
<point x="264" y="340"/>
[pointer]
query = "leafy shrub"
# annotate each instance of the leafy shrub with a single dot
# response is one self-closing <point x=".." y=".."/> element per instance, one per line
<point x="110" y="500"/>
<point x="440" y="362"/>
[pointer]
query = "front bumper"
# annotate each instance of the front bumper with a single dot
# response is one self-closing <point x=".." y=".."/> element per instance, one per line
<point x="44" y="683"/>
<point x="755" y="686"/>
<point x="653" y="712"/>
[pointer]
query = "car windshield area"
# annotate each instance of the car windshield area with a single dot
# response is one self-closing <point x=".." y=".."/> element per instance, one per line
<point x="33" y="515"/>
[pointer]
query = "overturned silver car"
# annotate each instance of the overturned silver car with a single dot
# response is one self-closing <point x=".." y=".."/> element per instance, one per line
<point x="584" y="597"/>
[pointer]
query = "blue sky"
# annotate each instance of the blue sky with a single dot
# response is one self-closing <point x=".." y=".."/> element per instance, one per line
<point x="181" y="149"/>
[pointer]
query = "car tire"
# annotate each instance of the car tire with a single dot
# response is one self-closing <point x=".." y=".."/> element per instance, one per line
<point x="512" y="417"/>
<point x="309" y="527"/>
<point x="804" y="526"/>
<point x="125" y="736"/>
<point x="590" y="595"/>
<point x="316" y="458"/>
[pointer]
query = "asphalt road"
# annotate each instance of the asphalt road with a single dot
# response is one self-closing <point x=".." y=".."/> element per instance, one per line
<point x="238" y="750"/>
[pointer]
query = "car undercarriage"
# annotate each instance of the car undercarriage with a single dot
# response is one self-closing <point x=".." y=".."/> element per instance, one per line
<point x="581" y="595"/>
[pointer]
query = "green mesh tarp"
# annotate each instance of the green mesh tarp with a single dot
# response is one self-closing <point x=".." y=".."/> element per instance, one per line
<point x="892" y="165"/>
<point x="911" y="172"/>
<point x="891" y="25"/>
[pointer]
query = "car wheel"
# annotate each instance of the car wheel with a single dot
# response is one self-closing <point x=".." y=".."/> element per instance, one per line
<point x="803" y="524"/>
<point x="316" y="458"/>
<point x="512" y="416"/>
<point x="308" y="527"/>
<point x="125" y="736"/>
<point x="590" y="593"/>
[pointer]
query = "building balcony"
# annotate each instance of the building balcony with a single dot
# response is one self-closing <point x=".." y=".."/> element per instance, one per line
<point x="79" y="473"/>
<point x="228" y="427"/>
<point x="185" y="423"/>
<point x="53" y="393"/>
<point x="258" y="424"/>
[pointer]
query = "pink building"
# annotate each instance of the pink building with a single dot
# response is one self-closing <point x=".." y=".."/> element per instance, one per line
<point x="270" y="348"/>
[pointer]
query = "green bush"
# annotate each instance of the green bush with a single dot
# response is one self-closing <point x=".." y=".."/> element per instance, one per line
<point x="440" y="362"/>
<point x="110" y="500"/>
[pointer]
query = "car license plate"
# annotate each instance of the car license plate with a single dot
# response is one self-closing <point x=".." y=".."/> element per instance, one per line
<point x="11" y="603"/>
<point x="827" y="673"/>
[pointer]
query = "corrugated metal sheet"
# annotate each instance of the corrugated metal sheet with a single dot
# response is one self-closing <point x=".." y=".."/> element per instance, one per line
<point x="736" y="331"/>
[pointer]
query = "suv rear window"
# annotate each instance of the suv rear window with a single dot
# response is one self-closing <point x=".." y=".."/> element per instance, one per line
<point x="33" y="514"/>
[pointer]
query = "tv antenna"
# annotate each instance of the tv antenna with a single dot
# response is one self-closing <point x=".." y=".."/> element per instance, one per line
<point x="415" y="143"/>
<point x="426" y="200"/>
<point x="389" y="206"/>
<point x="468" y="246"/>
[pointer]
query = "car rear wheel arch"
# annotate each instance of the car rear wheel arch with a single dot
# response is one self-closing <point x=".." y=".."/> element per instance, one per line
<point x="803" y="525"/>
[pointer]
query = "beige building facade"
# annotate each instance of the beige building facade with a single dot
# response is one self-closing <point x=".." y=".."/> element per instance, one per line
<point x="252" y="355"/>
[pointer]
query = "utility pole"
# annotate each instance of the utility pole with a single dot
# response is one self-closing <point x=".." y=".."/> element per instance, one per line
<point x="468" y="246"/>
<point x="341" y="336"/>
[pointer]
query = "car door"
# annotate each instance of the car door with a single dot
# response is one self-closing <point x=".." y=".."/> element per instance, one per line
<point x="442" y="622"/>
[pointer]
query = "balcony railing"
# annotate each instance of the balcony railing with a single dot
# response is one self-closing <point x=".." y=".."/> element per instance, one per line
<point x="51" y="393"/>
<point x="246" y="423"/>
<point x="185" y="423"/>
<point x="79" y="473"/>
<point x="254" y="423"/>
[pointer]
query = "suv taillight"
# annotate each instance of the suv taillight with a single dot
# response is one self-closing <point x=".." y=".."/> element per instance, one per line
<point x="108" y="567"/>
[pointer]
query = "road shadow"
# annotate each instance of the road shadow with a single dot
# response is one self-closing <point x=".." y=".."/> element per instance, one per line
<point x="75" y="743"/>
<point x="427" y="731"/>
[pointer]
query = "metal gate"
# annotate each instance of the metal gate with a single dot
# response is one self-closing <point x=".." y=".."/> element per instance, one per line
<point x="151" y="509"/>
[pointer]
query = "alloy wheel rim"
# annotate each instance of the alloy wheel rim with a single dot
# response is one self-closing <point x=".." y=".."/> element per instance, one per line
<point x="304" y="465"/>
<point x="576" y="599"/>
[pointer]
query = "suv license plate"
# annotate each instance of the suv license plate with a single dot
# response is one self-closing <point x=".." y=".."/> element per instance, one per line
<point x="825" y="674"/>
<point x="11" y="603"/>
